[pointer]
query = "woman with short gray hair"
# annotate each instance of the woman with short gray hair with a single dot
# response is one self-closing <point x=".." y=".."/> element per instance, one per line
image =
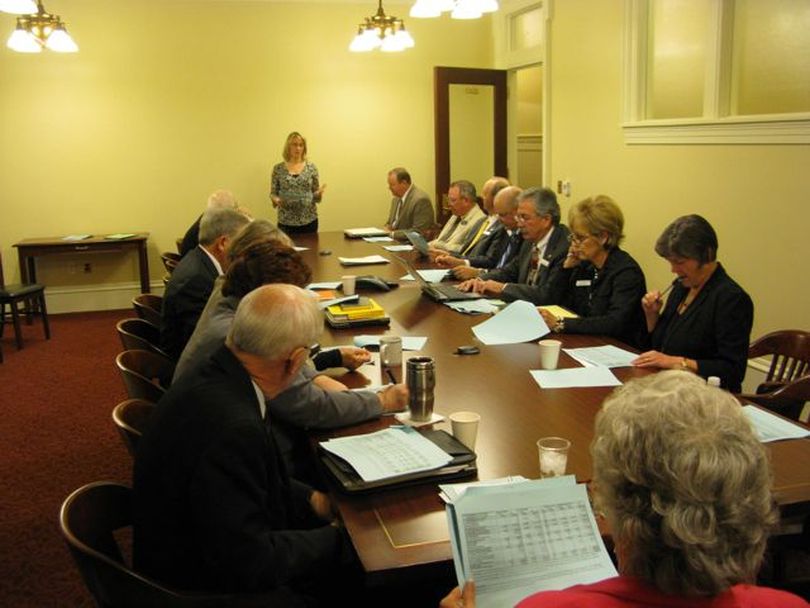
<point x="705" y="325"/>
<point x="685" y="486"/>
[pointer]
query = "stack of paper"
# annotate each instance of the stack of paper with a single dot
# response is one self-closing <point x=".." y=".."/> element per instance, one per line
<point x="770" y="427"/>
<point x="356" y="233"/>
<point x="431" y="275"/>
<point x="517" y="539"/>
<point x="476" y="307"/>
<point x="389" y="453"/>
<point x="602" y="356"/>
<point x="369" y="259"/>
<point x="518" y="322"/>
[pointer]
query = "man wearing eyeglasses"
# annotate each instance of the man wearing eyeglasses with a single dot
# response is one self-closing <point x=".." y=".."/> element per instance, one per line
<point x="463" y="224"/>
<point x="530" y="276"/>
<point x="214" y="509"/>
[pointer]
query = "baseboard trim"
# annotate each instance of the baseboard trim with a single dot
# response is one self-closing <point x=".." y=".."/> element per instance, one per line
<point x="110" y="296"/>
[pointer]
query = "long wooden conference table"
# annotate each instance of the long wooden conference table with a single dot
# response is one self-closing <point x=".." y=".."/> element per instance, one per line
<point x="402" y="535"/>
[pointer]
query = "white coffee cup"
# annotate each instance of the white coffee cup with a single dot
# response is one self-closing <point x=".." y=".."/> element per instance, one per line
<point x="465" y="427"/>
<point x="549" y="353"/>
<point x="391" y="351"/>
<point x="348" y="284"/>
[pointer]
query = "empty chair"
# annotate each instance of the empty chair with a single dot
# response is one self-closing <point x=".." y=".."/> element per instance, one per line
<point x="32" y="297"/>
<point x="147" y="306"/>
<point x="146" y="374"/>
<point x="88" y="518"/>
<point x="130" y="418"/>
<point x="790" y="356"/>
<point x="138" y="334"/>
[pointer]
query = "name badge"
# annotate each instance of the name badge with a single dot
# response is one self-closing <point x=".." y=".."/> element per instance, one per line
<point x="583" y="283"/>
<point x="543" y="262"/>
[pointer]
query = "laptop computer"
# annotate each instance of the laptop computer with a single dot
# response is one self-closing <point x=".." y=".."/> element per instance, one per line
<point x="418" y="241"/>
<point x="437" y="291"/>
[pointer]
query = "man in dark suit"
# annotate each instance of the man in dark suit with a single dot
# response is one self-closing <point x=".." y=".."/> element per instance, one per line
<point x="411" y="208"/>
<point x="214" y="508"/>
<point x="495" y="248"/>
<point x="530" y="275"/>
<point x="219" y="199"/>
<point x="192" y="281"/>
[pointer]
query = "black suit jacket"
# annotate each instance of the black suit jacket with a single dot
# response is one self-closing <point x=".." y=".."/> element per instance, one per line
<point x="546" y="288"/>
<point x="608" y="301"/>
<point x="714" y="330"/>
<point x="487" y="252"/>
<point x="213" y="506"/>
<point x="191" y="238"/>
<point x="185" y="298"/>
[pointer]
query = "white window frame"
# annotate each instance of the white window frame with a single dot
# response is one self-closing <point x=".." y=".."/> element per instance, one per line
<point x="716" y="125"/>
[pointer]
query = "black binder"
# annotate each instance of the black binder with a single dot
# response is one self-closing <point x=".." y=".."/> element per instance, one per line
<point x="462" y="466"/>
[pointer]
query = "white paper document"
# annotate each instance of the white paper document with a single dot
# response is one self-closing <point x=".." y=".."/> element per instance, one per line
<point x="388" y="453"/>
<point x="369" y="259"/>
<point x="370" y="231"/>
<point x="602" y="356"/>
<point x="327" y="303"/>
<point x="574" y="377"/>
<point x="378" y="239"/>
<point x="408" y="342"/>
<point x="475" y="307"/>
<point x="518" y="322"/>
<point x="450" y="492"/>
<point x="325" y="285"/>
<point x="431" y="275"/>
<point x="517" y="539"/>
<point x="770" y="427"/>
<point x="398" y="247"/>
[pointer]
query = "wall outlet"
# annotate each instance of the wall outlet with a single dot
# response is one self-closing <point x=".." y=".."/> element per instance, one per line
<point x="565" y="188"/>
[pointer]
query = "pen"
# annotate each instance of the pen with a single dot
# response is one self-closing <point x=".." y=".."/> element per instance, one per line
<point x="390" y="375"/>
<point x="666" y="291"/>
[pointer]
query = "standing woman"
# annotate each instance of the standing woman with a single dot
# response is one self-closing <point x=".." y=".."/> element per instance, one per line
<point x="599" y="281"/>
<point x="705" y="325"/>
<point x="295" y="189"/>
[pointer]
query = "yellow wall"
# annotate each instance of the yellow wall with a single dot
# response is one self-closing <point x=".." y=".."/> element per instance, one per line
<point x="168" y="100"/>
<point x="756" y="197"/>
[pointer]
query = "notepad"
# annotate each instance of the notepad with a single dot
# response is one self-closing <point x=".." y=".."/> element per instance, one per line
<point x="120" y="235"/>
<point x="76" y="237"/>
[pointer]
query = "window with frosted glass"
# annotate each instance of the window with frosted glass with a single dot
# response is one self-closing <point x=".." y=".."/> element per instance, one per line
<point x="527" y="29"/>
<point x="676" y="65"/>
<point x="771" y="57"/>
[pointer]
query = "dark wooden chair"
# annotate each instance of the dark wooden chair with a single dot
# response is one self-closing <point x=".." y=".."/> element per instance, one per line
<point x="148" y="306"/>
<point x="130" y="418"/>
<point x="138" y="334"/>
<point x="170" y="260"/>
<point x="787" y="400"/>
<point x="146" y="374"/>
<point x="89" y="517"/>
<point x="32" y="297"/>
<point x="789" y="350"/>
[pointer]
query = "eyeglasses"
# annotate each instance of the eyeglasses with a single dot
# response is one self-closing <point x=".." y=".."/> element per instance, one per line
<point x="578" y="238"/>
<point x="523" y="217"/>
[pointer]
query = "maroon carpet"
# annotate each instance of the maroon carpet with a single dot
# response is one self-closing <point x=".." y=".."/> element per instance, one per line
<point x="56" y="433"/>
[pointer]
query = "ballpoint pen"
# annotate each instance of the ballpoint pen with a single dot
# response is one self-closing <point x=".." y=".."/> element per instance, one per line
<point x="390" y="375"/>
<point x="666" y="291"/>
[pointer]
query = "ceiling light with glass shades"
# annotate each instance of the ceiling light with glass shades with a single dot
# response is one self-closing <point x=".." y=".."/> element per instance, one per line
<point x="37" y="29"/>
<point x="459" y="9"/>
<point x="380" y="31"/>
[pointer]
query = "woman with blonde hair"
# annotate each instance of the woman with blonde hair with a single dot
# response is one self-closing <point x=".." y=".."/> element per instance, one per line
<point x="599" y="281"/>
<point x="686" y="488"/>
<point x="295" y="189"/>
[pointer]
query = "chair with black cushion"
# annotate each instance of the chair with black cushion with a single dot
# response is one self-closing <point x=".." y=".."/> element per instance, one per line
<point x="148" y="306"/>
<point x="32" y="297"/>
<point x="138" y="334"/>
<point x="146" y="374"/>
<point x="89" y="517"/>
<point x="130" y="418"/>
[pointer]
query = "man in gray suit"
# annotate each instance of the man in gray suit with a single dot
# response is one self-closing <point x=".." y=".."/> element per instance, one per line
<point x="411" y="208"/>
<point x="530" y="276"/>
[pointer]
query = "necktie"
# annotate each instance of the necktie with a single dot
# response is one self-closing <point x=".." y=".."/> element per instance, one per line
<point x="510" y="245"/>
<point x="396" y="213"/>
<point x="476" y="238"/>
<point x="534" y="267"/>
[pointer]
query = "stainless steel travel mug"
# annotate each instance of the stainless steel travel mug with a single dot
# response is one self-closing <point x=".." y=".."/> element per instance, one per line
<point x="420" y="376"/>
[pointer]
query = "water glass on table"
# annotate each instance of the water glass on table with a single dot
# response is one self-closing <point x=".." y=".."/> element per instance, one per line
<point x="553" y="454"/>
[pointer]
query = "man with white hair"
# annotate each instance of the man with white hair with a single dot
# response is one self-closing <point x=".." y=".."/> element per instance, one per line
<point x="219" y="199"/>
<point x="214" y="508"/>
<point x="192" y="281"/>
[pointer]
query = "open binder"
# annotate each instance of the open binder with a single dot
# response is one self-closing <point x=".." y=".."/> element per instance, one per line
<point x="461" y="466"/>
